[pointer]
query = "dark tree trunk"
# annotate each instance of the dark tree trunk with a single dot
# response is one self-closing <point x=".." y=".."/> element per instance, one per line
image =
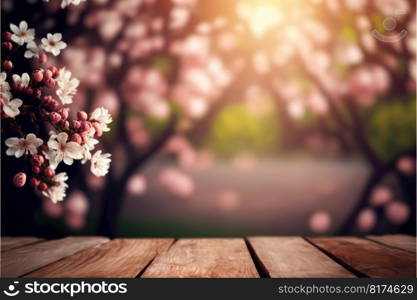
<point x="113" y="195"/>
<point x="349" y="225"/>
<point x="112" y="200"/>
<point x="408" y="185"/>
<point x="408" y="189"/>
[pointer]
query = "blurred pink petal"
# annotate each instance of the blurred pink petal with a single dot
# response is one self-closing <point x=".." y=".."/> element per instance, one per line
<point x="176" y="182"/>
<point x="226" y="41"/>
<point x="320" y="222"/>
<point x="107" y="99"/>
<point x="397" y="212"/>
<point x="76" y="203"/>
<point x="406" y="165"/>
<point x="381" y="195"/>
<point x="137" y="185"/>
<point x="366" y="220"/>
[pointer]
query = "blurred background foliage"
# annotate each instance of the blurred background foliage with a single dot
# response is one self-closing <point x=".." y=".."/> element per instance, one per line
<point x="392" y="127"/>
<point x="236" y="129"/>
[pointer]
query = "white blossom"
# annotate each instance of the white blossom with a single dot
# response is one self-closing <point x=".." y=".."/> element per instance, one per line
<point x="89" y="145"/>
<point x="53" y="44"/>
<point x="11" y="107"/>
<point x="20" y="146"/>
<point x="22" y="34"/>
<point x="64" y="151"/>
<point x="66" y="3"/>
<point x="57" y="192"/>
<point x="4" y="85"/>
<point x="32" y="50"/>
<point x="67" y="86"/>
<point x="102" y="116"/>
<point x="24" y="79"/>
<point x="100" y="163"/>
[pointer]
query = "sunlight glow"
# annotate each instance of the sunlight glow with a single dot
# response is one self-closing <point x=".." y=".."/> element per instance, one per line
<point x="260" y="18"/>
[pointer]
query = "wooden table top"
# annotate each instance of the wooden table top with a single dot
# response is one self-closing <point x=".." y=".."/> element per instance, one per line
<point x="252" y="257"/>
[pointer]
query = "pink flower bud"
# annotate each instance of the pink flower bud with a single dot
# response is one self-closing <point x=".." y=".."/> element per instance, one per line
<point x="53" y="104"/>
<point x="20" y="87"/>
<point x="76" y="138"/>
<point x="49" y="172"/>
<point x="7" y="65"/>
<point x="66" y="125"/>
<point x="64" y="113"/>
<point x="19" y="179"/>
<point x="82" y="116"/>
<point x="85" y="125"/>
<point x="84" y="136"/>
<point x="37" y="76"/>
<point x="7" y="45"/>
<point x="36" y="169"/>
<point x="99" y="131"/>
<point x="42" y="186"/>
<point x="37" y="160"/>
<point x="34" y="182"/>
<point x="47" y="98"/>
<point x="43" y="58"/>
<point x="54" y="71"/>
<point x="48" y="74"/>
<point x="7" y="35"/>
<point x="76" y="124"/>
<point x="54" y="117"/>
<point x="50" y="83"/>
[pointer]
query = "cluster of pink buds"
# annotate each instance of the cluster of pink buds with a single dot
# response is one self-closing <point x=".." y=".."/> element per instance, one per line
<point x="42" y="174"/>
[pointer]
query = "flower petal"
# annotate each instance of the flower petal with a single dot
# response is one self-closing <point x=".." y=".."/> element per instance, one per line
<point x="62" y="137"/>
<point x="10" y="142"/>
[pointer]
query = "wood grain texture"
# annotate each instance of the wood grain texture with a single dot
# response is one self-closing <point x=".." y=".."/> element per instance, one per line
<point x="204" y="258"/>
<point x="8" y="243"/>
<point x="20" y="261"/>
<point x="295" y="257"/>
<point x="369" y="258"/>
<point x="401" y="241"/>
<point x="120" y="258"/>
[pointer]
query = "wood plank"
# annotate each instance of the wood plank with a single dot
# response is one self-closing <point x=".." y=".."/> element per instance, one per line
<point x="8" y="243"/>
<point x="120" y="258"/>
<point x="204" y="258"/>
<point x="20" y="261"/>
<point x="294" y="257"/>
<point x="401" y="241"/>
<point x="369" y="258"/>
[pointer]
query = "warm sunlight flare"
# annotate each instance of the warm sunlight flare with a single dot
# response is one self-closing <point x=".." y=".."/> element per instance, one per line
<point x="260" y="16"/>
